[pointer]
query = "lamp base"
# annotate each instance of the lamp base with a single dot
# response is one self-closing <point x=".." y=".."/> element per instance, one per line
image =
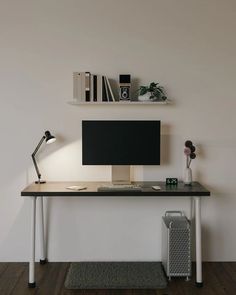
<point x="40" y="181"/>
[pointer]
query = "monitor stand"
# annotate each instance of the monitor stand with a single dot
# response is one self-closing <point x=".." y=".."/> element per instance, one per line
<point x="120" y="174"/>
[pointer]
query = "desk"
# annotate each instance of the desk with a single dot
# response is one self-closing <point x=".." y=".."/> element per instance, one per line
<point x="58" y="189"/>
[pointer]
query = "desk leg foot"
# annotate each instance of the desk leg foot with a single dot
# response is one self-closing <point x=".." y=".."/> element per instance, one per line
<point x="32" y="285"/>
<point x="199" y="285"/>
<point x="43" y="261"/>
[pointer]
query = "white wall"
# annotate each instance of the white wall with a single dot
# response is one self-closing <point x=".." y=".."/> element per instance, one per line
<point x="188" y="46"/>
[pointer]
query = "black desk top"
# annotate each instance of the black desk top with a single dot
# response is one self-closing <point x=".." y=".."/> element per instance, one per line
<point x="59" y="189"/>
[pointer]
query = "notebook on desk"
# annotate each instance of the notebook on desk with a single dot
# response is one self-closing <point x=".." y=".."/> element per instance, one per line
<point x="76" y="187"/>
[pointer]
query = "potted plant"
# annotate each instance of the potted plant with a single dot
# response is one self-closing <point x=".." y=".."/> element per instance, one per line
<point x="153" y="92"/>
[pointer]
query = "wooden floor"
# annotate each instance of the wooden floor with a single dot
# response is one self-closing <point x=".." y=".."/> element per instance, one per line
<point x="219" y="279"/>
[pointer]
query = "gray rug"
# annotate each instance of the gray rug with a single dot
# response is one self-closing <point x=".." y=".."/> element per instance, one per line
<point x="115" y="275"/>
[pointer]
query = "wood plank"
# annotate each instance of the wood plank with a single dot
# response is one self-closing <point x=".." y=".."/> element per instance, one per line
<point x="49" y="279"/>
<point x="52" y="282"/>
<point x="227" y="284"/>
<point x="3" y="267"/>
<point x="211" y="280"/>
<point x="230" y="268"/>
<point x="10" y="277"/>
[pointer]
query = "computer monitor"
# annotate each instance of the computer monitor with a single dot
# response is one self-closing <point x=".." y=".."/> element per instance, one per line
<point x="121" y="142"/>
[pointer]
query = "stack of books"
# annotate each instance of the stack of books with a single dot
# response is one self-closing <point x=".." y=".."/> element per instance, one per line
<point x="88" y="87"/>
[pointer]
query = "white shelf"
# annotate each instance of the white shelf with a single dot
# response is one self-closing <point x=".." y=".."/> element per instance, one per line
<point x="121" y="102"/>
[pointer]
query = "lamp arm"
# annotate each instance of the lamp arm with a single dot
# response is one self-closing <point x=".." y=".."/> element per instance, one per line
<point x="33" y="156"/>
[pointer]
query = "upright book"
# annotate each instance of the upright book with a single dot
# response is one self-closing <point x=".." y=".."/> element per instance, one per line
<point x="83" y="96"/>
<point x="95" y="87"/>
<point x="77" y="85"/>
<point x="91" y="87"/>
<point x="104" y="93"/>
<point x="99" y="88"/>
<point x="87" y="86"/>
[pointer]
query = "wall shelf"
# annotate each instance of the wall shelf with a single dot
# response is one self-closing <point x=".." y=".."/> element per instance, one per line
<point x="74" y="102"/>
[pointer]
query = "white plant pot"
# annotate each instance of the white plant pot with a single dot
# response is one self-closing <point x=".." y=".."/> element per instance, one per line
<point x="187" y="176"/>
<point x="145" y="97"/>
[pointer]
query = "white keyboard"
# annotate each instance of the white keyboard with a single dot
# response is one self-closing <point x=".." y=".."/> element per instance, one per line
<point x="119" y="187"/>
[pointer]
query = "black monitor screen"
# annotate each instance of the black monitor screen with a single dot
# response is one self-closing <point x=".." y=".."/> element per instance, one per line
<point x="121" y="142"/>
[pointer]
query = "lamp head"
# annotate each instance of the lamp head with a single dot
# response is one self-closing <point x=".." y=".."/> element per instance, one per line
<point x="49" y="137"/>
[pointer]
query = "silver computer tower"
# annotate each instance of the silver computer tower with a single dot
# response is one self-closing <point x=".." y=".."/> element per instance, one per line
<point x="176" y="244"/>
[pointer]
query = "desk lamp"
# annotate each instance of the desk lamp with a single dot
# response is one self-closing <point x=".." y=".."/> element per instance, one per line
<point x="49" y="139"/>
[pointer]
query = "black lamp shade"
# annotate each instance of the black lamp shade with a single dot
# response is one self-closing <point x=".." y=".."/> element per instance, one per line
<point x="49" y="137"/>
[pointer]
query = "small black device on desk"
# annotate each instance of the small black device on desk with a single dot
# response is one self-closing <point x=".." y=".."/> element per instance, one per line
<point x="171" y="181"/>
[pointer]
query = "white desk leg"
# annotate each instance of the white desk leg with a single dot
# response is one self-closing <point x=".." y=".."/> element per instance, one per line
<point x="32" y="283"/>
<point x="199" y="282"/>
<point x="43" y="258"/>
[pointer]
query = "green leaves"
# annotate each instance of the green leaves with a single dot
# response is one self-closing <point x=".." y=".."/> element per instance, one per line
<point x="153" y="86"/>
<point x="143" y="90"/>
